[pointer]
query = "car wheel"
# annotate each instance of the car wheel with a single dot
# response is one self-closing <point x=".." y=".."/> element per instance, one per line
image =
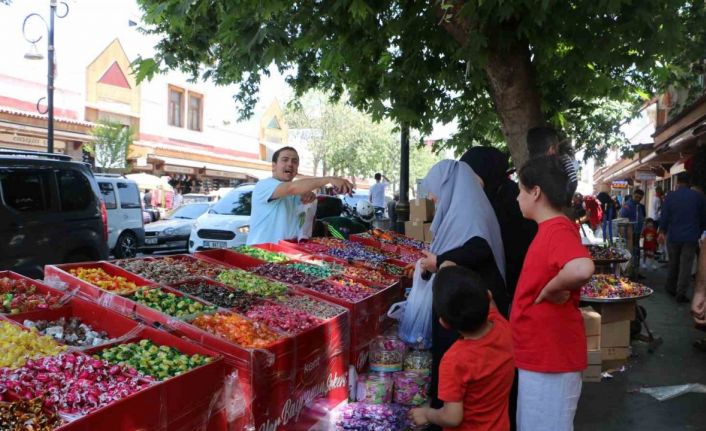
<point x="126" y="246"/>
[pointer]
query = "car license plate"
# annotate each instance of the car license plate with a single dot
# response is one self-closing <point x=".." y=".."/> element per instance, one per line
<point x="150" y="240"/>
<point x="215" y="244"/>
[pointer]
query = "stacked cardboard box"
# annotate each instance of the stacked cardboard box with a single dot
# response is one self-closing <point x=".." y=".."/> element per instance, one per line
<point x="421" y="213"/>
<point x="615" y="332"/>
<point x="592" y="325"/>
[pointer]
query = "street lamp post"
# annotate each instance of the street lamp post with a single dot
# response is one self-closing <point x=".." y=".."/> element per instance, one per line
<point x="35" y="55"/>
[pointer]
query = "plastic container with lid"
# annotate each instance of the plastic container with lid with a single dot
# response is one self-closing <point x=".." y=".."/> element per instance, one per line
<point x="411" y="388"/>
<point x="374" y="388"/>
<point x="418" y="360"/>
<point x="387" y="354"/>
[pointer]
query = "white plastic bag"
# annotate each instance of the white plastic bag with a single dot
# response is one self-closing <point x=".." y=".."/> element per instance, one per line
<point x="663" y="393"/>
<point x="306" y="220"/>
<point x="415" y="327"/>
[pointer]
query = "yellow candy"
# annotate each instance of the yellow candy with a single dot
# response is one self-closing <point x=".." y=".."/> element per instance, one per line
<point x="17" y="346"/>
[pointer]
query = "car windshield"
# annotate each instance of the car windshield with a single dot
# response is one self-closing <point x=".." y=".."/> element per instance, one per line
<point x="237" y="202"/>
<point x="191" y="211"/>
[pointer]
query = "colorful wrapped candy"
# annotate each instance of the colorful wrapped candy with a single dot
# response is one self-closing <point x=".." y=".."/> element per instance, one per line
<point x="387" y="354"/>
<point x="170" y="303"/>
<point x="282" y="318"/>
<point x="374" y="388"/>
<point x="251" y="283"/>
<point x="320" y="309"/>
<point x="18" y="346"/>
<point x="258" y="253"/>
<point x="18" y="296"/>
<point x="370" y="417"/>
<point x="71" y="331"/>
<point x="98" y="277"/>
<point x="411" y="388"/>
<point x="237" y="329"/>
<point x="72" y="383"/>
<point x="27" y="415"/>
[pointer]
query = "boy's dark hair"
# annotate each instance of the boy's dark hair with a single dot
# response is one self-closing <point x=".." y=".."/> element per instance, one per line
<point x="548" y="174"/>
<point x="460" y="297"/>
<point x="638" y="192"/>
<point x="275" y="156"/>
<point x="684" y="178"/>
<point x="649" y="220"/>
<point x="378" y="176"/>
<point x="541" y="139"/>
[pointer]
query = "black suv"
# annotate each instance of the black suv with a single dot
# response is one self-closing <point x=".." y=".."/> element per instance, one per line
<point x="50" y="212"/>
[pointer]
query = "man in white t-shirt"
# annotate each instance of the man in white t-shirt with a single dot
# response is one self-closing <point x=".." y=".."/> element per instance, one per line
<point x="377" y="193"/>
<point x="276" y="201"/>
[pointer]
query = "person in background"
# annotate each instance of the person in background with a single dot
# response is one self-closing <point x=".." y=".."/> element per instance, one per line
<point x="698" y="302"/>
<point x="476" y="373"/>
<point x="464" y="223"/>
<point x="547" y="328"/>
<point x="147" y="198"/>
<point x="392" y="211"/>
<point x="578" y="210"/>
<point x="634" y="210"/>
<point x="683" y="221"/>
<point x="610" y="211"/>
<point x="649" y="244"/>
<point x="657" y="204"/>
<point x="276" y="201"/>
<point x="377" y="194"/>
<point x="545" y="141"/>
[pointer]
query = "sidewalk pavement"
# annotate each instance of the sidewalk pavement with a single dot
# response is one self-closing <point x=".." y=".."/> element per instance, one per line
<point x="611" y="406"/>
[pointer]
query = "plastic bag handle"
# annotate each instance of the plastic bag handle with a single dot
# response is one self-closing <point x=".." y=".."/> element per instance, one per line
<point x="396" y="310"/>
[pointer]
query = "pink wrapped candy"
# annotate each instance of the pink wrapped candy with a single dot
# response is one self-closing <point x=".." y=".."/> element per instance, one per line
<point x="411" y="388"/>
<point x="374" y="388"/>
<point x="72" y="382"/>
<point x="283" y="318"/>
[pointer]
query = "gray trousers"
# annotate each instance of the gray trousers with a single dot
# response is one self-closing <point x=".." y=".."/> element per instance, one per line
<point x="681" y="260"/>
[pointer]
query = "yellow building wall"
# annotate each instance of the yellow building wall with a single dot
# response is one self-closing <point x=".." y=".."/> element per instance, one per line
<point x="98" y="92"/>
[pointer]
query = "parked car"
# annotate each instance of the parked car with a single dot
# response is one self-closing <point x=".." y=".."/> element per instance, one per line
<point x="126" y="229"/>
<point x="226" y="224"/>
<point x="50" y="212"/>
<point x="172" y="232"/>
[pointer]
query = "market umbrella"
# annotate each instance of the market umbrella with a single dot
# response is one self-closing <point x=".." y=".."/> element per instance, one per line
<point x="147" y="181"/>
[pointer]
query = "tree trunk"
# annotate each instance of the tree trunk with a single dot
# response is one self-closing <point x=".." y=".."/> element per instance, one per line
<point x="514" y="90"/>
<point x="316" y="166"/>
<point x="324" y="170"/>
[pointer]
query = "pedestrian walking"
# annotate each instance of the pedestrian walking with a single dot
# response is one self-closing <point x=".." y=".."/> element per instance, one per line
<point x="683" y="220"/>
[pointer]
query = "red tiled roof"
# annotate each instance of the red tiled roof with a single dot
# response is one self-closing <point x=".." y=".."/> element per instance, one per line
<point x="6" y="110"/>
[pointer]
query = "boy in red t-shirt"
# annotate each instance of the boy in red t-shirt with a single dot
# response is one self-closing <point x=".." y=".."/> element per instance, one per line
<point x="476" y="373"/>
<point x="547" y="328"/>
<point x="649" y="243"/>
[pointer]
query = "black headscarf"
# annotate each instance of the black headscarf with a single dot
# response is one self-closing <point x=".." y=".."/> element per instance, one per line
<point x="490" y="164"/>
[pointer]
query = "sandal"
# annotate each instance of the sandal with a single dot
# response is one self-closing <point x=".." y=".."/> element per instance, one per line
<point x="700" y="344"/>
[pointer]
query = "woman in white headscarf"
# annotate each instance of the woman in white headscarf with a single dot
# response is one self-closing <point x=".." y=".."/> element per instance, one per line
<point x="464" y="222"/>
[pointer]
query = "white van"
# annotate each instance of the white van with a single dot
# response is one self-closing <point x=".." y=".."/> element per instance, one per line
<point x="126" y="229"/>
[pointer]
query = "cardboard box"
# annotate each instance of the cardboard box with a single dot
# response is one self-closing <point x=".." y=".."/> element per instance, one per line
<point x="591" y="321"/>
<point x="616" y="312"/>
<point x="616" y="334"/>
<point x="592" y="374"/>
<point x="613" y="364"/>
<point x="421" y="210"/>
<point x="595" y="357"/>
<point x="414" y="230"/>
<point x="611" y="353"/>
<point x="593" y="342"/>
<point x="427" y="232"/>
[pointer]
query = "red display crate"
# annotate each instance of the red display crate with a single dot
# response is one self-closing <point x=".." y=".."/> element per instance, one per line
<point x="87" y="289"/>
<point x="179" y="258"/>
<point x="229" y="257"/>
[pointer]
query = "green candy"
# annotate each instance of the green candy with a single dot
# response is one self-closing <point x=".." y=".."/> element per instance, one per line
<point x="319" y="271"/>
<point x="258" y="253"/>
<point x="251" y="283"/>
<point x="160" y="362"/>
<point x="169" y="303"/>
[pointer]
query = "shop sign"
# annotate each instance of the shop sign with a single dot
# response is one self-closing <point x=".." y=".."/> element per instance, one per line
<point x="645" y="176"/>
<point x="178" y="169"/>
<point x="225" y="174"/>
<point x="621" y="184"/>
<point x="29" y="140"/>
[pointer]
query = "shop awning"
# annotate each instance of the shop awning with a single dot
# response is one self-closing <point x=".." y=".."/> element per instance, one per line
<point x="218" y="170"/>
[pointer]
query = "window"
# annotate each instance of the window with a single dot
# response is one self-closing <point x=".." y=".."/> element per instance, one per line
<point x="176" y="106"/>
<point x="129" y="195"/>
<point x="25" y="191"/>
<point x="234" y="203"/>
<point x="195" y="111"/>
<point x="108" y="196"/>
<point x="74" y="190"/>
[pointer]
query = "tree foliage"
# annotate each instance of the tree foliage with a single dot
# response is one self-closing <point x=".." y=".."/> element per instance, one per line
<point x="345" y="141"/>
<point x="496" y="66"/>
<point x="111" y="143"/>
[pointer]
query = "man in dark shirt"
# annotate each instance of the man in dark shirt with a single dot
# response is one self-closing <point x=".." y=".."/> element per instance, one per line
<point x="683" y="220"/>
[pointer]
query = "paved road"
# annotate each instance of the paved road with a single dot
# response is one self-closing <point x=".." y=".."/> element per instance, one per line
<point x="610" y="406"/>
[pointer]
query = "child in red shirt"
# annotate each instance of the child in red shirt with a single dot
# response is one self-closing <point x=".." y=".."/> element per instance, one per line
<point x="649" y="243"/>
<point x="547" y="328"/>
<point x="476" y="373"/>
